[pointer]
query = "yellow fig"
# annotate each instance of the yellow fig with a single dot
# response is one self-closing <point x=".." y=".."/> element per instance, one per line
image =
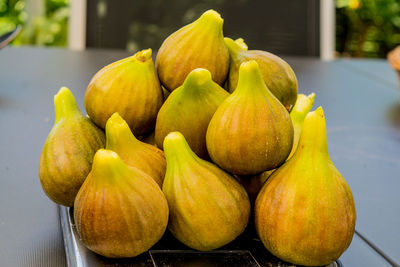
<point x="197" y="45"/>
<point x="198" y="95"/>
<point x="133" y="152"/>
<point x="305" y="212"/>
<point x="68" y="152"/>
<point x="130" y="87"/>
<point x="277" y="74"/>
<point x="208" y="207"/>
<point x="251" y="131"/>
<point x="119" y="211"/>
<point x="300" y="110"/>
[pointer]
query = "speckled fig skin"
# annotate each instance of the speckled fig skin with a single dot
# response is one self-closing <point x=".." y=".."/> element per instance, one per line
<point x="68" y="152"/>
<point x="298" y="113"/>
<point x="119" y="211"/>
<point x="305" y="212"/>
<point x="251" y="131"/>
<point x="133" y="152"/>
<point x="196" y="45"/>
<point x="277" y="74"/>
<point x="130" y="87"/>
<point x="189" y="109"/>
<point x="208" y="207"/>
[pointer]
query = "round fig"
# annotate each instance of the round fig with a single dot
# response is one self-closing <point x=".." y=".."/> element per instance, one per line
<point x="251" y="131"/>
<point x="119" y="211"/>
<point x="277" y="74"/>
<point x="305" y="212"/>
<point x="197" y="45"/>
<point x="67" y="154"/>
<point x="208" y="207"/>
<point x="198" y="95"/>
<point x="130" y="87"/>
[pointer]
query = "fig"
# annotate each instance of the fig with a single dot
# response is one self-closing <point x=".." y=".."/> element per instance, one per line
<point x="119" y="211"/>
<point x="198" y="95"/>
<point x="208" y="207"/>
<point x="300" y="110"/>
<point x="199" y="44"/>
<point x="251" y="131"/>
<point x="305" y="212"/>
<point x="68" y="152"/>
<point x="277" y="74"/>
<point x="133" y="152"/>
<point x="130" y="87"/>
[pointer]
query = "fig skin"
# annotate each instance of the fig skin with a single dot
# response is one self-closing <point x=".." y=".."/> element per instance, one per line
<point x="68" y="152"/>
<point x="199" y="44"/>
<point x="301" y="108"/>
<point x="198" y="95"/>
<point x="119" y="211"/>
<point x="133" y="152"/>
<point x="130" y="87"/>
<point x="305" y="212"/>
<point x="251" y="131"/>
<point x="277" y="73"/>
<point x="208" y="207"/>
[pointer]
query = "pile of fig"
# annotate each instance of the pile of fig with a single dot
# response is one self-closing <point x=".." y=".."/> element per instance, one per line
<point x="232" y="142"/>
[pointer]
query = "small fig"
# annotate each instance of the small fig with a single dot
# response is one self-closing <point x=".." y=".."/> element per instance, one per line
<point x="68" y="152"/>
<point x="208" y="207"/>
<point x="119" y="211"/>
<point x="251" y="131"/>
<point x="196" y="45"/>
<point x="300" y="110"/>
<point x="277" y="74"/>
<point x="198" y="95"/>
<point x="130" y="87"/>
<point x="305" y="212"/>
<point x="133" y="152"/>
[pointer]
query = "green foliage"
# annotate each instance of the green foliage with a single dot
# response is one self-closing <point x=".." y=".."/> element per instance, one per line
<point x="49" y="29"/>
<point x="367" y="28"/>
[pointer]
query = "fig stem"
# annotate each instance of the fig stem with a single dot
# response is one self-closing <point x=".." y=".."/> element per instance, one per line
<point x="233" y="47"/>
<point x="250" y="79"/>
<point x="176" y="149"/>
<point x="65" y="104"/>
<point x="108" y="165"/>
<point x="313" y="134"/>
<point x="118" y="132"/>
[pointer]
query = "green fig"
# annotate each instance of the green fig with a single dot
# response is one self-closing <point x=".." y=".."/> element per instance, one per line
<point x="133" y="152"/>
<point x="198" y="95"/>
<point x="119" y="211"/>
<point x="251" y="131"/>
<point x="277" y="74"/>
<point x="208" y="207"/>
<point x="196" y="45"/>
<point x="130" y="87"/>
<point x="305" y="212"/>
<point x="68" y="152"/>
<point x="300" y="110"/>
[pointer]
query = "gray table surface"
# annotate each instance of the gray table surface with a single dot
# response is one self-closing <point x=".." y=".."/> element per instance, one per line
<point x="360" y="99"/>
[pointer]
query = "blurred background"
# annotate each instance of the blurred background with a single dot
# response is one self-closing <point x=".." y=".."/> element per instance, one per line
<point x="326" y="28"/>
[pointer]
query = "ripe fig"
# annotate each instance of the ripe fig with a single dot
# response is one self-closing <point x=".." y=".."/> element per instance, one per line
<point x="68" y="152"/>
<point x="133" y="152"/>
<point x="251" y="131"/>
<point x="198" y="95"/>
<point x="277" y="74"/>
<point x="300" y="110"/>
<point x="130" y="87"/>
<point x="196" y="45"/>
<point x="208" y="207"/>
<point x="305" y="212"/>
<point x="119" y="211"/>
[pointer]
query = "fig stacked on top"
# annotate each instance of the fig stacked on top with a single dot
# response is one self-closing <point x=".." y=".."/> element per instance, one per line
<point x="217" y="146"/>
